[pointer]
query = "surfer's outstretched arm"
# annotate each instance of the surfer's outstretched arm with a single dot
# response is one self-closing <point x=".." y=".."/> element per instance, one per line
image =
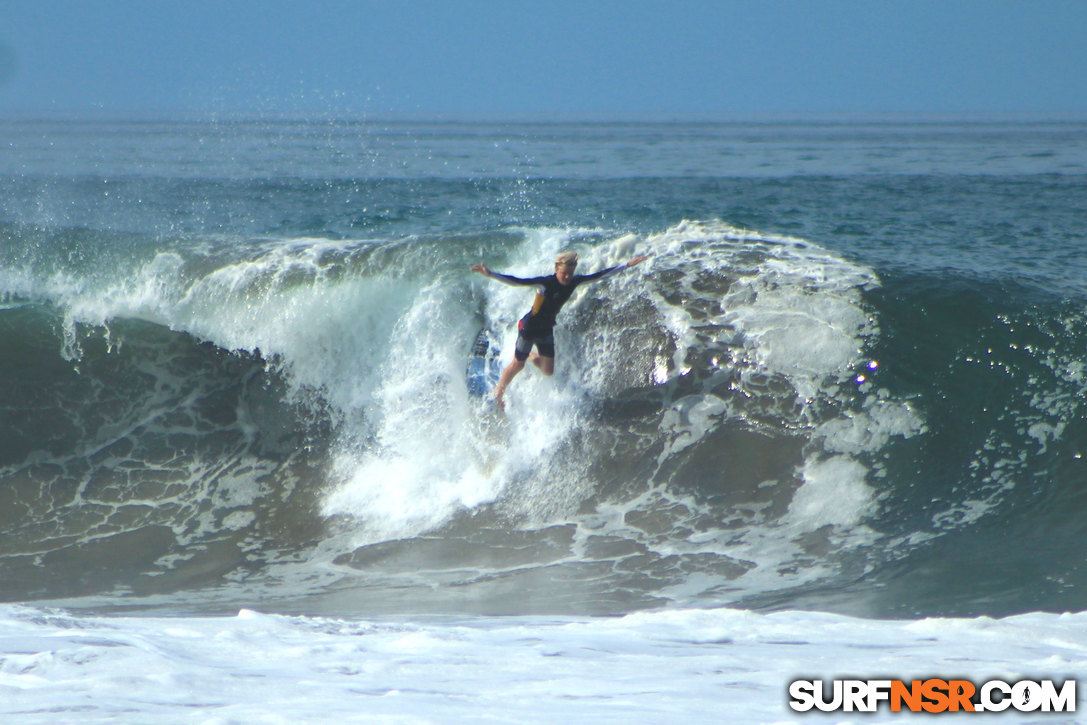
<point x="506" y="278"/>
<point x="519" y="281"/>
<point x="605" y="273"/>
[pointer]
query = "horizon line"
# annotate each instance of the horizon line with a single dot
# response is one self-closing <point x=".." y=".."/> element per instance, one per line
<point x="544" y="118"/>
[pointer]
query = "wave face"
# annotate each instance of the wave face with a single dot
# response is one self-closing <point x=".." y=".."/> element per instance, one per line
<point x="247" y="390"/>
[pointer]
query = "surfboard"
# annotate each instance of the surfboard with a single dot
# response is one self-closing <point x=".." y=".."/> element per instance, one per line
<point x="484" y="367"/>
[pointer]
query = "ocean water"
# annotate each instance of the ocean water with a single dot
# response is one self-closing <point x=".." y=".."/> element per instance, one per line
<point x="834" y="426"/>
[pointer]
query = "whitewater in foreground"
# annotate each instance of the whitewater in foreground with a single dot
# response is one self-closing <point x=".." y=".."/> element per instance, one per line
<point x="717" y="665"/>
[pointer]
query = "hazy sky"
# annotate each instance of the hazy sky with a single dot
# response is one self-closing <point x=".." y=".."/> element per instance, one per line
<point x="542" y="57"/>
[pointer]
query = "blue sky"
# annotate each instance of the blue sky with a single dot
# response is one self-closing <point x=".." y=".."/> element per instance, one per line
<point x="544" y="57"/>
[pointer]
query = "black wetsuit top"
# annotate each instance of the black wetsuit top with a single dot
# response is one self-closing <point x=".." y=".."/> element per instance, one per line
<point x="551" y="295"/>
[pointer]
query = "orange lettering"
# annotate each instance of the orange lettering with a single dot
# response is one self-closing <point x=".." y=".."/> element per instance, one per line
<point x="960" y="692"/>
<point x="934" y="691"/>
<point x="911" y="695"/>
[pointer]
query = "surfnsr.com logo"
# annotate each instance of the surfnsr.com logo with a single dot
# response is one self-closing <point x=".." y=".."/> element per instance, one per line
<point x="933" y="695"/>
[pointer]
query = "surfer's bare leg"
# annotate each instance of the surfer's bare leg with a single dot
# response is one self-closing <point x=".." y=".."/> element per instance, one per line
<point x="508" y="375"/>
<point x="545" y="364"/>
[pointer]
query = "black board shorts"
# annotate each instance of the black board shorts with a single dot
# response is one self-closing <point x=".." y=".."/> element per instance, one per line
<point x="545" y="343"/>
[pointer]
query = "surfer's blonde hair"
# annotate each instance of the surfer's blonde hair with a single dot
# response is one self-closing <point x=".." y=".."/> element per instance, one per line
<point x="566" y="259"/>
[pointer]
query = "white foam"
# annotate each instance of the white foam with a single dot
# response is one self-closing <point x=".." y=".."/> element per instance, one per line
<point x="833" y="493"/>
<point x="872" y="427"/>
<point x="658" y="666"/>
<point x="430" y="456"/>
<point x="688" y="422"/>
<point x="400" y="496"/>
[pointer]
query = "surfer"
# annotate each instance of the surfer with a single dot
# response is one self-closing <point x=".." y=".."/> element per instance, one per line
<point x="537" y="327"/>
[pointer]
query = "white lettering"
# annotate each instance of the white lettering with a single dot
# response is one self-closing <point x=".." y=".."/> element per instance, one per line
<point x="802" y="693"/>
<point x="879" y="690"/>
<point x="855" y="696"/>
<point x="1026" y="696"/>
<point x="836" y="700"/>
<point x="1064" y="701"/>
<point x="988" y="704"/>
